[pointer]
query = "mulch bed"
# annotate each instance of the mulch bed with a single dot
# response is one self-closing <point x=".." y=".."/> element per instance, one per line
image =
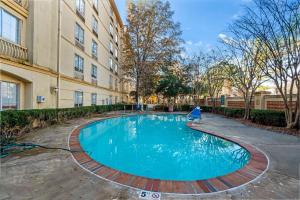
<point x="282" y="130"/>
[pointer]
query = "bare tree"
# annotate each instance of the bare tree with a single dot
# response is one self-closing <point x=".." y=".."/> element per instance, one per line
<point x="151" y="39"/>
<point x="276" y="25"/>
<point x="244" y="64"/>
<point x="211" y="71"/>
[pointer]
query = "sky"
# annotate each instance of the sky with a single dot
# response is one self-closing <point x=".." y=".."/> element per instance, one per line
<point x="203" y="22"/>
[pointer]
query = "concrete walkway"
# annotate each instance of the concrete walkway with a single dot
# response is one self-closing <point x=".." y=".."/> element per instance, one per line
<point x="52" y="174"/>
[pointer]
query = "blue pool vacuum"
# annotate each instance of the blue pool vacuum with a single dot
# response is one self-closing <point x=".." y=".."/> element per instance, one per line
<point x="195" y="114"/>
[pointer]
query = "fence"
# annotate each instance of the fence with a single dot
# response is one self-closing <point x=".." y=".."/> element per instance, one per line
<point x="261" y="101"/>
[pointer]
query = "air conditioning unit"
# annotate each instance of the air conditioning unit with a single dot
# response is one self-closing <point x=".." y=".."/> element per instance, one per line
<point x="40" y="99"/>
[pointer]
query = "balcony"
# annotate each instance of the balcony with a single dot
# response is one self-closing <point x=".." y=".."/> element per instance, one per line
<point x="95" y="33"/>
<point x="94" y="81"/>
<point x="95" y="9"/>
<point x="79" y="45"/>
<point x="78" y="75"/>
<point x="95" y="57"/>
<point x="12" y="50"/>
<point x="80" y="14"/>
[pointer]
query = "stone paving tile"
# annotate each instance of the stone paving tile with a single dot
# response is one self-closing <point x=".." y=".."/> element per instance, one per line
<point x="54" y="175"/>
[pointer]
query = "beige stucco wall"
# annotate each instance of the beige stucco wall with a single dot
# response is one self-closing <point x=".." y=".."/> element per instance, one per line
<point x="39" y="75"/>
<point x="32" y="84"/>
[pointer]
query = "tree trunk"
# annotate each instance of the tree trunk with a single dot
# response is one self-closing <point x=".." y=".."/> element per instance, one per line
<point x="247" y="109"/>
<point x="137" y="90"/>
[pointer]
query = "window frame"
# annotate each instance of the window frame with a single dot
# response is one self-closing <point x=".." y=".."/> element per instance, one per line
<point x="77" y="104"/>
<point x="93" y="99"/>
<point x="95" y="3"/>
<point x="94" y="72"/>
<point x="94" y="48"/>
<point x="78" y="68"/>
<point x="116" y="53"/>
<point x="111" y="29"/>
<point x="95" y="24"/>
<point x="116" y="67"/>
<point x="110" y="63"/>
<point x="110" y="81"/>
<point x="80" y="3"/>
<point x="80" y="30"/>
<point x="17" y="97"/>
<point x="18" y="21"/>
<point x="111" y="47"/>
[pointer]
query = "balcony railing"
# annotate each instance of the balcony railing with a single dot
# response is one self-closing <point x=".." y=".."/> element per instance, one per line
<point x="78" y="75"/>
<point x="13" y="50"/>
<point x="23" y="3"/>
<point x="94" y="81"/>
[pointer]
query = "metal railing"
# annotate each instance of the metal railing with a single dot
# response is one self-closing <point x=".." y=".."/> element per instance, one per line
<point x="13" y="50"/>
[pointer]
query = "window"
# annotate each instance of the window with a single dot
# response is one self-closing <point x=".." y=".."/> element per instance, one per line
<point x="95" y="3"/>
<point x="78" y="63"/>
<point x="110" y="81"/>
<point x="110" y="99"/>
<point x="79" y="34"/>
<point x="116" y="84"/>
<point x="94" y="99"/>
<point x="116" y="52"/>
<point x="110" y="29"/>
<point x="80" y="6"/>
<point x="94" y="71"/>
<point x="111" y="12"/>
<point x="106" y="101"/>
<point x="103" y="101"/>
<point x="116" y="99"/>
<point x="94" y="49"/>
<point x="116" y="67"/>
<point x="110" y="63"/>
<point x="78" y="99"/>
<point x="9" y="27"/>
<point x="116" y="38"/>
<point x="111" y="48"/>
<point x="9" y="93"/>
<point x="95" y="25"/>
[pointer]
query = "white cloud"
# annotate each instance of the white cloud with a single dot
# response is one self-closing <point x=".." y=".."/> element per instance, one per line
<point x="199" y="43"/>
<point x="189" y="42"/>
<point x="222" y="36"/>
<point x="236" y="16"/>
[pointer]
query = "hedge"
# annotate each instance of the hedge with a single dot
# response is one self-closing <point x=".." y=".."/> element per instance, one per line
<point x="264" y="117"/>
<point x="182" y="108"/>
<point x="15" y="123"/>
<point x="268" y="117"/>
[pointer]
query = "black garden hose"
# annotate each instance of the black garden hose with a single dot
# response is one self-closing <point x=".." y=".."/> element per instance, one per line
<point x="10" y="148"/>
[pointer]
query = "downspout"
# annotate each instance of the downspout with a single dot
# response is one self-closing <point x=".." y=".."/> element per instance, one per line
<point x="58" y="55"/>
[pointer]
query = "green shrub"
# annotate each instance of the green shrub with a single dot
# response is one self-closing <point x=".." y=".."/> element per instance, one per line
<point x="220" y="110"/>
<point x="268" y="117"/>
<point x="206" y="108"/>
<point x="186" y="107"/>
<point x="17" y="122"/>
<point x="183" y="108"/>
<point x="234" y="112"/>
<point x="163" y="108"/>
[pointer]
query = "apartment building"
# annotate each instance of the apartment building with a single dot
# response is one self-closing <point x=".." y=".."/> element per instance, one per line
<point x="60" y="53"/>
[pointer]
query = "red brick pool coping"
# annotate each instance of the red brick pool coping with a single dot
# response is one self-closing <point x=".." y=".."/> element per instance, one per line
<point x="256" y="166"/>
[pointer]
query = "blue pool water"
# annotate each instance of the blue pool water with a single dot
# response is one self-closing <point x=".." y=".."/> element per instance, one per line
<point x="162" y="147"/>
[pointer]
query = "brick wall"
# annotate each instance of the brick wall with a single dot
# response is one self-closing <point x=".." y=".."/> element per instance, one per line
<point x="202" y="102"/>
<point x="238" y="104"/>
<point x="210" y="102"/>
<point x="278" y="105"/>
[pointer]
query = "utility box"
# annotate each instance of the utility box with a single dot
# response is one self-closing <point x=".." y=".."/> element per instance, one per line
<point x="40" y="99"/>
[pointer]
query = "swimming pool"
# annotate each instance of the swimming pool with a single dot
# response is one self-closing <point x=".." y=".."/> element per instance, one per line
<point x="160" y="146"/>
